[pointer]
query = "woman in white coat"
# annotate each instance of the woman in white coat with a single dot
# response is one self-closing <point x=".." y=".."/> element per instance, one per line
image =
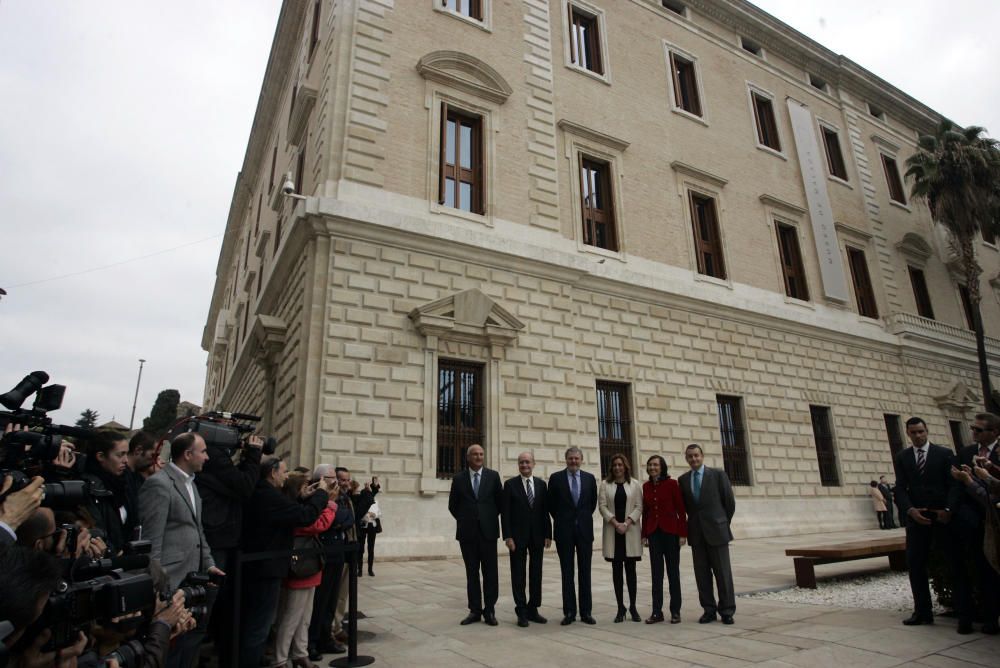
<point x="620" y="504"/>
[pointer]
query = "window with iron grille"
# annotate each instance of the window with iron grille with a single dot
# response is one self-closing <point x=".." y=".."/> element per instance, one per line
<point x="614" y="423"/>
<point x="460" y="183"/>
<point x="826" y="452"/>
<point x="894" y="432"/>
<point x="460" y="414"/>
<point x="685" y="84"/>
<point x="767" y="126"/>
<point x="834" y="156"/>
<point x="584" y="40"/>
<point x="896" y="193"/>
<point x="707" y="239"/>
<point x="732" y="433"/>
<point x="963" y="294"/>
<point x="957" y="434"/>
<point x="791" y="262"/>
<point x="920" y="293"/>
<point x="472" y="9"/>
<point x="863" y="292"/>
<point x="597" y="201"/>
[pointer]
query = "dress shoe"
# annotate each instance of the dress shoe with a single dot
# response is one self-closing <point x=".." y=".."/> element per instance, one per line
<point x="620" y="617"/>
<point x="533" y="616"/>
<point x="964" y="627"/>
<point x="587" y="619"/>
<point x="371" y="573"/>
<point x="490" y="618"/>
<point x="707" y="618"/>
<point x="567" y="620"/>
<point x="332" y="648"/>
<point x="727" y="619"/>
<point x="675" y="618"/>
<point x="521" y="621"/>
<point x="315" y="654"/>
<point x="303" y="663"/>
<point x="991" y="629"/>
<point x="472" y="618"/>
<point x="340" y="636"/>
<point x="634" y="614"/>
<point x="917" y="619"/>
<point x="655" y="618"/>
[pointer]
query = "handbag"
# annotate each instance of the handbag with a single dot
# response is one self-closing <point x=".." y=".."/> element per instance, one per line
<point x="308" y="564"/>
<point x="378" y="525"/>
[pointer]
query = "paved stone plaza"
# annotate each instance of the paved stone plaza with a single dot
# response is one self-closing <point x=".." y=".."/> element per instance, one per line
<point x="414" y="609"/>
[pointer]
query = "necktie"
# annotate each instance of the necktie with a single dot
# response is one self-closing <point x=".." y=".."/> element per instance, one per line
<point x="529" y="489"/>
<point x="921" y="462"/>
<point x="574" y="487"/>
<point x="696" y="488"/>
<point x="475" y="484"/>
<point x="984" y="451"/>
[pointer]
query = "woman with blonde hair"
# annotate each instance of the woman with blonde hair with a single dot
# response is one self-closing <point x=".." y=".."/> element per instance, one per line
<point x="878" y="502"/>
<point x="619" y="501"/>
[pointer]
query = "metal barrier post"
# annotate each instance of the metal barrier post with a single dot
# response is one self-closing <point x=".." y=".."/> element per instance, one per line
<point x="237" y="575"/>
<point x="352" y="659"/>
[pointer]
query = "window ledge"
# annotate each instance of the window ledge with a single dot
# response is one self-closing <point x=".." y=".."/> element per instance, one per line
<point x="705" y="278"/>
<point x="904" y="207"/>
<point x="481" y="24"/>
<point x="801" y="303"/>
<point x="837" y="179"/>
<point x="481" y="218"/>
<point x="874" y="321"/>
<point x="603" y="78"/>
<point x="602" y="252"/>
<point x="688" y="115"/>
<point x="776" y="153"/>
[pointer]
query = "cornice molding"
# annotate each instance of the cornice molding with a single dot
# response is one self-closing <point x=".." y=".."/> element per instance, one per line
<point x="700" y="174"/>
<point x="913" y="247"/>
<point x="592" y="135"/>
<point x="777" y="203"/>
<point x="466" y="73"/>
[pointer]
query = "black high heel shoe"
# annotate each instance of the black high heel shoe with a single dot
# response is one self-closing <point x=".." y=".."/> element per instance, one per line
<point x="635" y="614"/>
<point x="620" y="617"/>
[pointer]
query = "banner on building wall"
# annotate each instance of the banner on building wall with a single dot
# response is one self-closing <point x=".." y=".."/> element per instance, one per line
<point x="813" y="165"/>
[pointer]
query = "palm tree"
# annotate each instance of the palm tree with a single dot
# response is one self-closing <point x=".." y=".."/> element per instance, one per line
<point x="957" y="171"/>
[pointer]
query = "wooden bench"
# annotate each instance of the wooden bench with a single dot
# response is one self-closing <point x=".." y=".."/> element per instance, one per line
<point x="807" y="558"/>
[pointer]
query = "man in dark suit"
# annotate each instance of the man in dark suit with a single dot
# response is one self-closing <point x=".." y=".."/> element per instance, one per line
<point x="572" y="497"/>
<point x="710" y="504"/>
<point x="926" y="494"/>
<point x="886" y="492"/>
<point x="985" y="431"/>
<point x="527" y="531"/>
<point x="474" y="502"/>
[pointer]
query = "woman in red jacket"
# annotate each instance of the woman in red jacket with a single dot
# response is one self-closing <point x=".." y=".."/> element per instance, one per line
<point x="664" y="530"/>
<point x="295" y="609"/>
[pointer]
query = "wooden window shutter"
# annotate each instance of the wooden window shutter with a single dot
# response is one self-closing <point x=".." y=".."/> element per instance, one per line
<point x="441" y="151"/>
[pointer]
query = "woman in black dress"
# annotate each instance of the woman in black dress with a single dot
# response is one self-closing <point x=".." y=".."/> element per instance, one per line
<point x="620" y="504"/>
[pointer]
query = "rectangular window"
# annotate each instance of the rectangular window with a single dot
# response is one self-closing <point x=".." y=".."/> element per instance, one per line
<point x="300" y="171"/>
<point x="963" y="294"/>
<point x="791" y="263"/>
<point x="598" y="204"/>
<point x="876" y="112"/>
<point x="246" y="317"/>
<point x="584" y="40"/>
<point x="707" y="239"/>
<point x="894" y="432"/>
<point x="892" y="178"/>
<point x="863" y="292"/>
<point x="920" y="294"/>
<point x="256" y="225"/>
<point x="470" y="8"/>
<point x="614" y="422"/>
<point x="260" y="276"/>
<point x="826" y="453"/>
<point x="277" y="237"/>
<point x="314" y="34"/>
<point x="957" y="434"/>
<point x="674" y="6"/>
<point x="817" y="83"/>
<point x="732" y="433"/>
<point x="274" y="163"/>
<point x="246" y="252"/>
<point x="460" y="183"/>
<point x="685" y="84"/>
<point x="767" y="126"/>
<point x="751" y="46"/>
<point x="460" y="414"/>
<point x="834" y="157"/>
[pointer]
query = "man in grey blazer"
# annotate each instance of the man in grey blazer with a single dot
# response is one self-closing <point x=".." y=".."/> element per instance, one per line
<point x="170" y="509"/>
<point x="710" y="505"/>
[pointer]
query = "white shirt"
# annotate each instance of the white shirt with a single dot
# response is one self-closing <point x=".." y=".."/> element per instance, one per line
<point x="989" y="449"/>
<point x="188" y="483"/>
<point x="530" y="480"/>
<point x="922" y="449"/>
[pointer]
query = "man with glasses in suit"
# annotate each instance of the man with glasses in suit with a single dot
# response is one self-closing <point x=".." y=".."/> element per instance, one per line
<point x="572" y="496"/>
<point x="927" y="495"/>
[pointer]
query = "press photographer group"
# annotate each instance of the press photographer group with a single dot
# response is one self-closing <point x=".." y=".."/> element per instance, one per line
<point x="115" y="550"/>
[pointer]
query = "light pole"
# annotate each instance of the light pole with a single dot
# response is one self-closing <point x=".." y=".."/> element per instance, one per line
<point x="136" y="399"/>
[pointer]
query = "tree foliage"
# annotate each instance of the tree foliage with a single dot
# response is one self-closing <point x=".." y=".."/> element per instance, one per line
<point x="88" y="419"/>
<point x="957" y="172"/>
<point x="164" y="413"/>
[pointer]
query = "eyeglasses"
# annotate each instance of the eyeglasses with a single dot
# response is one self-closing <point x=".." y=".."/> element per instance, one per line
<point x="980" y="430"/>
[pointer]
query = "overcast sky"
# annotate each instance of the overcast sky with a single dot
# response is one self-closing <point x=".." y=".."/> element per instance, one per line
<point x="123" y="125"/>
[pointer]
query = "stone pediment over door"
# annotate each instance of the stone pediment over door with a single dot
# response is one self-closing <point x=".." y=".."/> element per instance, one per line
<point x="470" y="317"/>
<point x="466" y="73"/>
<point x="959" y="399"/>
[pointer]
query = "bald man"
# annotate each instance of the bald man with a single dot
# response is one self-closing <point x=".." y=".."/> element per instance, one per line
<point x="474" y="502"/>
<point x="527" y="531"/>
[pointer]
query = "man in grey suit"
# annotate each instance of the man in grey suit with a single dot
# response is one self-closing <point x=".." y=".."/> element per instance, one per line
<point x="170" y="509"/>
<point x="710" y="505"/>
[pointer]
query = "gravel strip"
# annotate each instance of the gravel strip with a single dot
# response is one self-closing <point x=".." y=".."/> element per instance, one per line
<point x="882" y="591"/>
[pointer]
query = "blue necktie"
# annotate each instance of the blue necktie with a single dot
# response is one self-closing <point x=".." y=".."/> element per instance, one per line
<point x="696" y="487"/>
<point x="574" y="488"/>
<point x="475" y="484"/>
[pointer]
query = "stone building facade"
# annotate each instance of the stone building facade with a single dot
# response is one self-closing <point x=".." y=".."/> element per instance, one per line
<point x="649" y="224"/>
